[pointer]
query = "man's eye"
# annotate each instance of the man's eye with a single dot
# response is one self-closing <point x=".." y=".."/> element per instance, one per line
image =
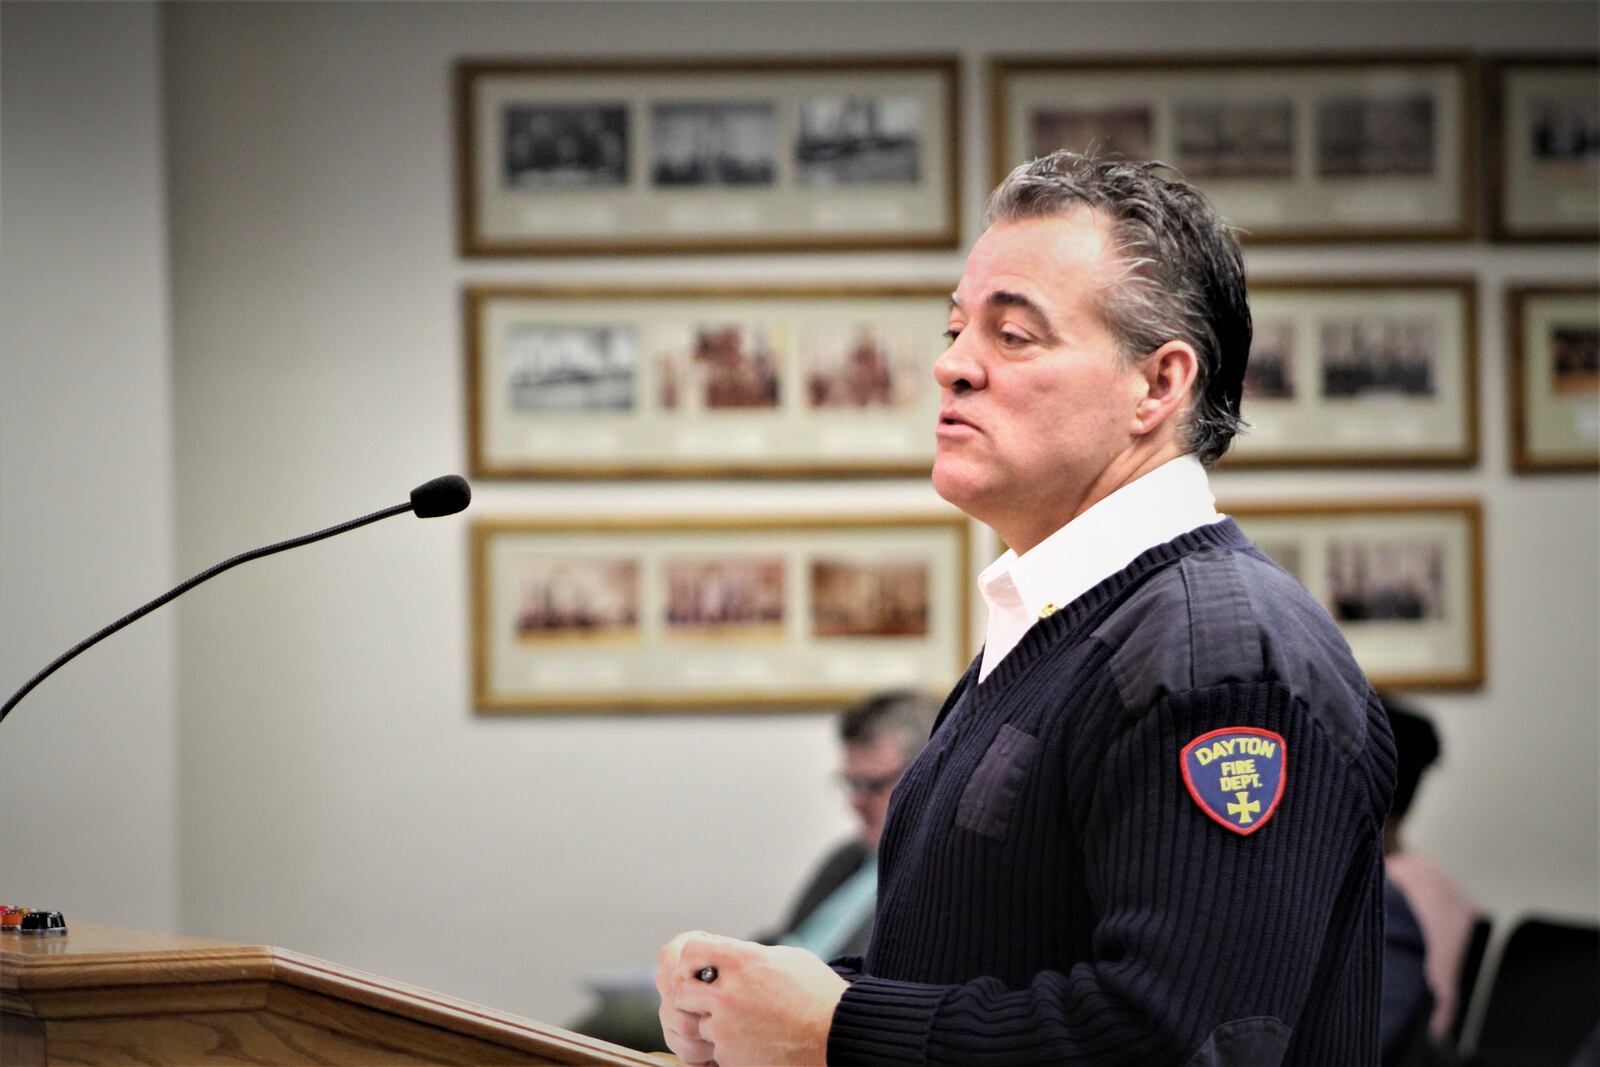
<point x="952" y="333"/>
<point x="1010" y="338"/>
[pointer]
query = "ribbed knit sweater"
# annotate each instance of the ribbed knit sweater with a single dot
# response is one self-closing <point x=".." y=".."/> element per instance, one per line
<point x="1051" y="892"/>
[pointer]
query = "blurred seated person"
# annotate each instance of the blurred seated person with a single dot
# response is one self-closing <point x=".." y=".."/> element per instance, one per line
<point x="1444" y="913"/>
<point x="1403" y="1014"/>
<point x="832" y="914"/>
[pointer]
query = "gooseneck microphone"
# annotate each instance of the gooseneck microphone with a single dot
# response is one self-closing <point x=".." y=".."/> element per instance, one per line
<point x="444" y="495"/>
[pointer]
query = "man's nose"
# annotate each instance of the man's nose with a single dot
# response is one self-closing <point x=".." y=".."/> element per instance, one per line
<point x="958" y="368"/>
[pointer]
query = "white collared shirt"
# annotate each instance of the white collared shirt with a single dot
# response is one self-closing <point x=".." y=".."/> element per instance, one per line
<point x="1171" y="500"/>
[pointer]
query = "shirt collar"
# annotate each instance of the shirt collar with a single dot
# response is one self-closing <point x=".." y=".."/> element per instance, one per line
<point x="1169" y="501"/>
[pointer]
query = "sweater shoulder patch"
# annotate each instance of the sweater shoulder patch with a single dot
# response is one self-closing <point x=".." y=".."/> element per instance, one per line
<point x="1220" y="616"/>
<point x="1190" y="627"/>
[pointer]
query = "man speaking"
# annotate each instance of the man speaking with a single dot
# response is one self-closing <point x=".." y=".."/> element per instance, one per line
<point x="1148" y="826"/>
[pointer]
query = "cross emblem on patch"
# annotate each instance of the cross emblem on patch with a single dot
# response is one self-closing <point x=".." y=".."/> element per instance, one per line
<point x="1244" y="808"/>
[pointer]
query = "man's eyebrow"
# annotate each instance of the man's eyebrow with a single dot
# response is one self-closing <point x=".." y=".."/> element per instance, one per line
<point x="1007" y="298"/>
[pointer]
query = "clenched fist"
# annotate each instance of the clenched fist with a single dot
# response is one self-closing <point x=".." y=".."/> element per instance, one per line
<point x="766" y="1005"/>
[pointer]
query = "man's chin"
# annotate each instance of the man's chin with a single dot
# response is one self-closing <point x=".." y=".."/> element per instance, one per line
<point x="956" y="485"/>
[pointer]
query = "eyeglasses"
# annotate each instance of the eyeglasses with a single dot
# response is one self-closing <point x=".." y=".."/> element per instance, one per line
<point x="869" y="787"/>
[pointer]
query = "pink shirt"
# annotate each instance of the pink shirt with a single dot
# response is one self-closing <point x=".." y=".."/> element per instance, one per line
<point x="1446" y="917"/>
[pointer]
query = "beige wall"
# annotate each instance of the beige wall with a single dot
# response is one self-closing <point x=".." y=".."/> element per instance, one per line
<point x="88" y="775"/>
<point x="339" y="796"/>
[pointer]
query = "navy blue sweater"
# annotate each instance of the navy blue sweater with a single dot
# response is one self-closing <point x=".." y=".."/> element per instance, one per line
<point x="1052" y="890"/>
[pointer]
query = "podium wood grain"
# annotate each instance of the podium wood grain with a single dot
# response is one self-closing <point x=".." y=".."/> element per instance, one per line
<point x="104" y="995"/>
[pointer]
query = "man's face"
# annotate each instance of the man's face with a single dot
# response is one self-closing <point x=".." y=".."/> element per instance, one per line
<point x="1036" y="402"/>
<point x="870" y="772"/>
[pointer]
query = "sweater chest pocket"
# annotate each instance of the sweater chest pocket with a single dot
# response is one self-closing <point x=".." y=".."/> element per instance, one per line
<point x="990" y="796"/>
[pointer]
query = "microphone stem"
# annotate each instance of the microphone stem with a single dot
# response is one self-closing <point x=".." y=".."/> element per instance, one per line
<point x="177" y="591"/>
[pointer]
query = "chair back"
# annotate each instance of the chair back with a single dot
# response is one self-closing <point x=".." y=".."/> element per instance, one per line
<point x="1545" y="997"/>
<point x="1467" y="978"/>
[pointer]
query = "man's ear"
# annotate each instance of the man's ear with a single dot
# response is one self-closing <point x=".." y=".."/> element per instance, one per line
<point x="1167" y="378"/>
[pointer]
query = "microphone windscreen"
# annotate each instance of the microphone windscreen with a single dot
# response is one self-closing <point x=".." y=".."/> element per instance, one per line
<point x="444" y="495"/>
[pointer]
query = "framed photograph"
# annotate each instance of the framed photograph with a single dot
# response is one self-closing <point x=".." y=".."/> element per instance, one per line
<point x="707" y="155"/>
<point x="1544" y="148"/>
<point x="1555" y="377"/>
<point x="677" y="382"/>
<point x="1404" y="581"/>
<point x="1358" y="373"/>
<point x="1288" y="148"/>
<point x="701" y="615"/>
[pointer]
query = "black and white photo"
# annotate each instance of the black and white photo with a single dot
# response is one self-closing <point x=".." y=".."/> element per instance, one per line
<point x="1375" y="136"/>
<point x="565" y="146"/>
<point x="859" y="140"/>
<point x="1385" y="580"/>
<point x="570" y="368"/>
<point x="1375" y="355"/>
<point x="710" y="143"/>
<point x="1565" y="133"/>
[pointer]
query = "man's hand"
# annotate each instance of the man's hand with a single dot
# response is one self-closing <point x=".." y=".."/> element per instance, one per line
<point x="767" y="1005"/>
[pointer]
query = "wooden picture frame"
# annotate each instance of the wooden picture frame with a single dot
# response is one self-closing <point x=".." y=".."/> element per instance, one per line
<point x="1361" y="372"/>
<point x="1553" y="343"/>
<point x="707" y="155"/>
<point x="1288" y="148"/>
<point x="1403" y="579"/>
<point x="1543" y="147"/>
<point x="680" y="381"/>
<point x="741" y="612"/>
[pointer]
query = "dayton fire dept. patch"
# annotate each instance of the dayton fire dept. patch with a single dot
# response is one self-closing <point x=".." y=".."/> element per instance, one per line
<point x="1236" y="775"/>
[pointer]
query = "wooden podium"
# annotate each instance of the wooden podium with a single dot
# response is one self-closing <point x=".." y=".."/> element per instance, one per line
<point x="105" y="995"/>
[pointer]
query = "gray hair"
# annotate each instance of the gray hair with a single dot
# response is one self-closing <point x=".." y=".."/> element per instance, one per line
<point x="1182" y="275"/>
<point x="904" y="713"/>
